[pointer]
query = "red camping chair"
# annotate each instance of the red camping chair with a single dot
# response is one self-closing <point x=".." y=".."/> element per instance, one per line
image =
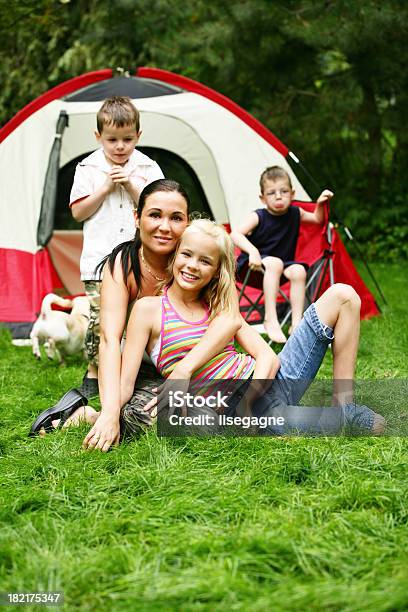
<point x="314" y="247"/>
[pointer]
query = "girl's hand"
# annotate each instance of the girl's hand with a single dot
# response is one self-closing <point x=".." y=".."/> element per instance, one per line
<point x="103" y="434"/>
<point x="164" y="392"/>
<point x="325" y="196"/>
<point x="152" y="405"/>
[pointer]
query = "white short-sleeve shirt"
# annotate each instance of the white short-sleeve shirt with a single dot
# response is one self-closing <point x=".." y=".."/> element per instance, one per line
<point x="113" y="222"/>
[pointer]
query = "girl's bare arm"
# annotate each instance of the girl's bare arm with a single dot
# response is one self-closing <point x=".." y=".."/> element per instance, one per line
<point x="266" y="366"/>
<point x="267" y="361"/>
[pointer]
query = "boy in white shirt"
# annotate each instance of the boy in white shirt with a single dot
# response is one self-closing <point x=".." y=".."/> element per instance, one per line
<point x="106" y="189"/>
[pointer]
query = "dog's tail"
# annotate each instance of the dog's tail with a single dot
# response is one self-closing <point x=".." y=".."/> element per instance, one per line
<point x="52" y="298"/>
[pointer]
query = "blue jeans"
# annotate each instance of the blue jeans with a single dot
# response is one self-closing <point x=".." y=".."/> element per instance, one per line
<point x="301" y="358"/>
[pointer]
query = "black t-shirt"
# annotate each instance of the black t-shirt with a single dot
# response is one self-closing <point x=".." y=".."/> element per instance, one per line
<point x="275" y="235"/>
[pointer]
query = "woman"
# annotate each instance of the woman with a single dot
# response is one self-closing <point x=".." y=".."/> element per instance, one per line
<point x="133" y="270"/>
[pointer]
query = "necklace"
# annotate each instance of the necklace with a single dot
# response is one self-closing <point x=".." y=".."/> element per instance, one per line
<point x="158" y="278"/>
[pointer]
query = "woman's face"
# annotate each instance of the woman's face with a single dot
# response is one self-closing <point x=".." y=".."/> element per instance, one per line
<point x="162" y="221"/>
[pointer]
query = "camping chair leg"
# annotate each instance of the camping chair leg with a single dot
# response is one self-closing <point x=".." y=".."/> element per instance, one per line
<point x="252" y="305"/>
<point x="330" y="254"/>
<point x="244" y="284"/>
<point x="323" y="267"/>
<point x="331" y="272"/>
<point x="320" y="272"/>
<point x="255" y="305"/>
<point x="316" y="274"/>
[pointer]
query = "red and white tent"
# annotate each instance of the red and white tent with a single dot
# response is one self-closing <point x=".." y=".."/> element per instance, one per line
<point x="219" y="145"/>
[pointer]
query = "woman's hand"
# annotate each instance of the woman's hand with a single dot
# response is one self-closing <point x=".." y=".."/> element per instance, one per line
<point x="103" y="434"/>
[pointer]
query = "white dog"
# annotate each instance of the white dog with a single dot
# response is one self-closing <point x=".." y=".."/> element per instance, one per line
<point x="60" y="332"/>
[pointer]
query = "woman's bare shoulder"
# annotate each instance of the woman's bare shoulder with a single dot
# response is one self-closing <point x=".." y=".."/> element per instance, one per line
<point x="113" y="278"/>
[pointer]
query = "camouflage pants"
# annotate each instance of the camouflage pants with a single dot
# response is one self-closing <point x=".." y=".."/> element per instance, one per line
<point x="133" y="420"/>
<point x="92" y="338"/>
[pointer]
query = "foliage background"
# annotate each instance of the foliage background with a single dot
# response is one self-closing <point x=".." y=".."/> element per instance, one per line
<point x="328" y="77"/>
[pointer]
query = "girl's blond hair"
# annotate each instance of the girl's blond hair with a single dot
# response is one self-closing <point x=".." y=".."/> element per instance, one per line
<point x="220" y="294"/>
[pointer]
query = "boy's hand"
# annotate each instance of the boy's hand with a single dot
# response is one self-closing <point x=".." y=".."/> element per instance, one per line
<point x="109" y="185"/>
<point x="119" y="175"/>
<point x="133" y="186"/>
<point x="255" y="261"/>
<point x="325" y="196"/>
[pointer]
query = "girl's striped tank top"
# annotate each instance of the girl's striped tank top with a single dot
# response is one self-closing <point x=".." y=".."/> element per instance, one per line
<point x="179" y="336"/>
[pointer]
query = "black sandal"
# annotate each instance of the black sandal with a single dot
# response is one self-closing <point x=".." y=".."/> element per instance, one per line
<point x="66" y="406"/>
<point x="89" y="387"/>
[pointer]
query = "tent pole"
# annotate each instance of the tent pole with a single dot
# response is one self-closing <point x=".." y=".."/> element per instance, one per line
<point x="46" y="220"/>
<point x="299" y="163"/>
<point x="351" y="238"/>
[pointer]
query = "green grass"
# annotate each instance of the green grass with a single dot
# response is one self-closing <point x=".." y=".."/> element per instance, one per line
<point x="207" y="524"/>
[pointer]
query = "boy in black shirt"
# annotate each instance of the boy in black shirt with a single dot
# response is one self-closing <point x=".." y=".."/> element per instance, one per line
<point x="268" y="240"/>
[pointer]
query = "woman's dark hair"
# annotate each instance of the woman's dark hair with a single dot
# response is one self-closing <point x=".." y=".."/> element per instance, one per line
<point x="129" y="251"/>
